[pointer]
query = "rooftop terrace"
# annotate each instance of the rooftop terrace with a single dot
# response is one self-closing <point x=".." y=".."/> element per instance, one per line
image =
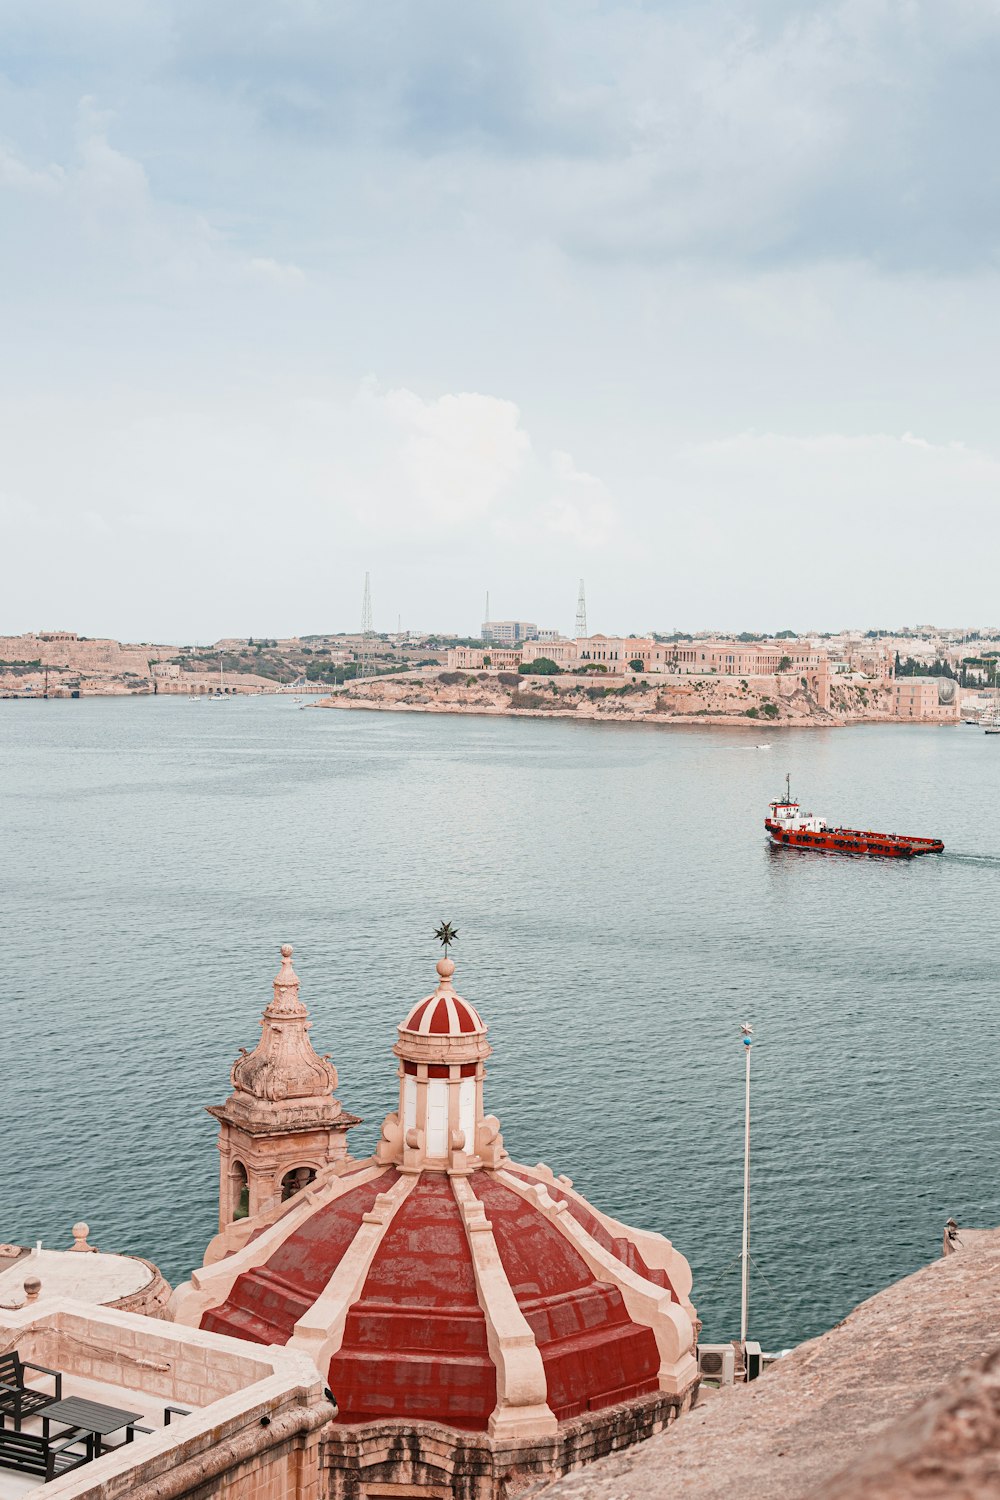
<point x="244" y="1402"/>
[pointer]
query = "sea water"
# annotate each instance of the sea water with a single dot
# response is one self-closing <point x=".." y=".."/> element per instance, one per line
<point x="620" y="914"/>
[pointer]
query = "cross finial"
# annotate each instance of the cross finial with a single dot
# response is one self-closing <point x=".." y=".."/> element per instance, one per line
<point x="446" y="935"/>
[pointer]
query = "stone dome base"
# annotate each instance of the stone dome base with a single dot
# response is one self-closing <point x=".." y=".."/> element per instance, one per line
<point x="361" y="1458"/>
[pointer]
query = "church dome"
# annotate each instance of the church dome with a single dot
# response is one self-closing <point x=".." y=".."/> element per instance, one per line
<point x="441" y="1282"/>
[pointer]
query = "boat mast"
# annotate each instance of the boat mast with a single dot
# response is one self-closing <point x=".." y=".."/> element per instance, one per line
<point x="747" y="1031"/>
<point x="788" y="786"/>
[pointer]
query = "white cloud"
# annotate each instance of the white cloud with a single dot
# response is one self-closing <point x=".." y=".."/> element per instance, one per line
<point x="14" y="173"/>
<point x="581" y="510"/>
<point x="272" y="270"/>
<point x="831" y="528"/>
<point x="383" y="463"/>
<point x="452" y="457"/>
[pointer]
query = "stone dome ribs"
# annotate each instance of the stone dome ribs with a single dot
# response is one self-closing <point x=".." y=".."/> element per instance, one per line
<point x="265" y="1303"/>
<point x="415" y="1343"/>
<point x="620" y="1246"/>
<point x="593" y="1354"/>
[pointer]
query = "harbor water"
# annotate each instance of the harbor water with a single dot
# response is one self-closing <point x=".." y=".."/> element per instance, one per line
<point x="620" y="914"/>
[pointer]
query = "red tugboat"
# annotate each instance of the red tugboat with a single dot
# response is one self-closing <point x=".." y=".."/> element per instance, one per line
<point x="799" y="830"/>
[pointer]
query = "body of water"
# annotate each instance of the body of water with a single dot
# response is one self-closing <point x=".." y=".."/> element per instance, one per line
<point x="620" y="914"/>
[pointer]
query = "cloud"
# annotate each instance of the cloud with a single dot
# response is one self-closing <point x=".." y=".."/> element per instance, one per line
<point x="719" y="255"/>
<point x="620" y="131"/>
<point x="453" y="457"/>
<point x="431" y="469"/>
<point x="14" y="173"/>
<point x="581" y="509"/>
<point x="272" y="270"/>
<point x="829" y="528"/>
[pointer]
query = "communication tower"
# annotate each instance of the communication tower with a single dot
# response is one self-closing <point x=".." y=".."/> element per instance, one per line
<point x="581" y="612"/>
<point x="366" y="655"/>
<point x="486" y="621"/>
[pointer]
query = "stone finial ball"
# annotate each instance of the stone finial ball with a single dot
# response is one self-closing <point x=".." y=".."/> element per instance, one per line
<point x="446" y="967"/>
<point x="286" y="950"/>
<point x="32" y="1287"/>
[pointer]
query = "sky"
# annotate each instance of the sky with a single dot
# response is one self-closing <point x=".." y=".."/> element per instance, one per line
<point x="696" y="301"/>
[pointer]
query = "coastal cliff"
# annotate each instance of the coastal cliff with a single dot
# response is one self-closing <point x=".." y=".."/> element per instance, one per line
<point x="784" y="699"/>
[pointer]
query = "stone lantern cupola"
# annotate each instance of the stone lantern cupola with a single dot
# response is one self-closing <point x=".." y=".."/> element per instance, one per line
<point x="440" y="1125"/>
<point x="281" y="1125"/>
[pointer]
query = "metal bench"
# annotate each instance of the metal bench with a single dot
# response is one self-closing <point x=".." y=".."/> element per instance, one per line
<point x="31" y="1454"/>
<point x="20" y="1400"/>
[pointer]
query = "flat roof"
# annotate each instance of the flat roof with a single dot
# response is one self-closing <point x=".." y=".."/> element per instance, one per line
<point x="88" y="1276"/>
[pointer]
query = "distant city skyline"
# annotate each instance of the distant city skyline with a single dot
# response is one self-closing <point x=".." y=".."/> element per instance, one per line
<point x="702" y="309"/>
<point x="952" y="633"/>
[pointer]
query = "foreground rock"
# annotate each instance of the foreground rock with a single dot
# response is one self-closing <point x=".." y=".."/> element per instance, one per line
<point x="902" y="1399"/>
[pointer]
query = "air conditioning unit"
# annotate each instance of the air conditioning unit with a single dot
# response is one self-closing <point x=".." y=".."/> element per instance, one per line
<point x="717" y="1362"/>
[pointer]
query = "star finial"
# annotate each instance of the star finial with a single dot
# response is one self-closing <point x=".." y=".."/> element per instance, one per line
<point x="446" y="935"/>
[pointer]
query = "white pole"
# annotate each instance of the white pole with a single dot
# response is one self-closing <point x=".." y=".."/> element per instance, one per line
<point x="747" y="1030"/>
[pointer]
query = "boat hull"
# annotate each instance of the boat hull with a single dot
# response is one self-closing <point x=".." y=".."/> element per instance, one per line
<point x="852" y="841"/>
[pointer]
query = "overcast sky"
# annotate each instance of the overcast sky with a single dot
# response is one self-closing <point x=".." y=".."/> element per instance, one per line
<point x="697" y="301"/>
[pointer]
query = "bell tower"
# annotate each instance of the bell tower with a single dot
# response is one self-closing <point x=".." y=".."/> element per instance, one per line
<point x="281" y="1125"/>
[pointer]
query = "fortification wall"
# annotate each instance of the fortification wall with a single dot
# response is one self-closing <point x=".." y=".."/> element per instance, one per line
<point x="85" y="656"/>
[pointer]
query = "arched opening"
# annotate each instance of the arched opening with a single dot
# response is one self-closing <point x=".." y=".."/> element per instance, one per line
<point x="294" y="1181"/>
<point x="240" y="1186"/>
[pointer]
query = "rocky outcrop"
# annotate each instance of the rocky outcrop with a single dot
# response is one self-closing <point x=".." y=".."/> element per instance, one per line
<point x="784" y="699"/>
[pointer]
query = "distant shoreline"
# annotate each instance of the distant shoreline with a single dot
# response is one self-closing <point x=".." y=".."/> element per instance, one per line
<point x="732" y="721"/>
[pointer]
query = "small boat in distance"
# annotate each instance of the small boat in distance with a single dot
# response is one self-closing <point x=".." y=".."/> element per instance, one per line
<point x="788" y="827"/>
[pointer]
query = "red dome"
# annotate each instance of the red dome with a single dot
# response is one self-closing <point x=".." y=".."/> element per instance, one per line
<point x="439" y="1282"/>
<point x="416" y="1339"/>
<point x="444" y="1015"/>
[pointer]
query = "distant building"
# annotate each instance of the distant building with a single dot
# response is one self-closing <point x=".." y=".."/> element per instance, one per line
<point x="616" y="651"/>
<point x="934" y="698"/>
<point x="564" y="653"/>
<point x="743" y="658"/>
<point x="872" y="659"/>
<point x="508" y="632"/>
<point x="478" y="658"/>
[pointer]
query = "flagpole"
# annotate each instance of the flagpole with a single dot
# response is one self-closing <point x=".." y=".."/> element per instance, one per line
<point x="747" y="1031"/>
